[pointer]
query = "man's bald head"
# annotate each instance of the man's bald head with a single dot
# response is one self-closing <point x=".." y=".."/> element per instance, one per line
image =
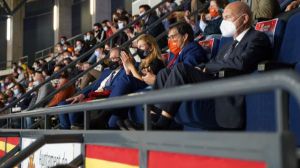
<point x="235" y="11"/>
<point x="239" y="8"/>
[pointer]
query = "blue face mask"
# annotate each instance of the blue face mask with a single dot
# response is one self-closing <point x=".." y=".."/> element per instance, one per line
<point x="97" y="53"/>
<point x="16" y="92"/>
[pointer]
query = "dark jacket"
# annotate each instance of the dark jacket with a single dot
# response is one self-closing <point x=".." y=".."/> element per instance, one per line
<point x="192" y="54"/>
<point x="252" y="49"/>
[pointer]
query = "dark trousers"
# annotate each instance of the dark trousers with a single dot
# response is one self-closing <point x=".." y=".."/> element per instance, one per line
<point x="180" y="74"/>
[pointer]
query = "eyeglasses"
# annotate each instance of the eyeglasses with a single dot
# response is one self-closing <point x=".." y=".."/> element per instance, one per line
<point x="172" y="37"/>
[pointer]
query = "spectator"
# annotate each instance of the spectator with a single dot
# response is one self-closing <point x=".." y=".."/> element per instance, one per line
<point x="210" y="23"/>
<point x="99" y="32"/>
<point x="182" y="47"/>
<point x="21" y="75"/>
<point x="89" y="39"/>
<point x="150" y="55"/>
<point x="107" y="28"/>
<point x="249" y="48"/>
<point x="265" y="10"/>
<point x="43" y="91"/>
<point x="98" y="54"/>
<point x="101" y="88"/>
<point x="63" y="94"/>
<point x="149" y="20"/>
<point x="63" y="39"/>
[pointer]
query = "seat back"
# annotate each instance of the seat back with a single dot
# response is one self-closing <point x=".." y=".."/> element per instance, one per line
<point x="275" y="30"/>
<point x="290" y="50"/>
<point x="260" y="112"/>
<point x="211" y="47"/>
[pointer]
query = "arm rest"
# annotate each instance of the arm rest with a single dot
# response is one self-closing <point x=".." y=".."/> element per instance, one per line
<point x="268" y="66"/>
<point x="225" y="73"/>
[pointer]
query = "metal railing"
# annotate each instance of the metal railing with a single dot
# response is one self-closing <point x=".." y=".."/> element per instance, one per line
<point x="277" y="149"/>
<point x="88" y="53"/>
<point x="45" y="139"/>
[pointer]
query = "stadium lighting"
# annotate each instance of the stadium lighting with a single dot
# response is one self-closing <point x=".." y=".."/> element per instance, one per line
<point x="92" y="7"/>
<point x="55" y="18"/>
<point x="8" y="29"/>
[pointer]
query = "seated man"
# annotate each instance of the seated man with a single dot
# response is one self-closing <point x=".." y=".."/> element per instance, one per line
<point x="248" y="49"/>
<point x="101" y="88"/>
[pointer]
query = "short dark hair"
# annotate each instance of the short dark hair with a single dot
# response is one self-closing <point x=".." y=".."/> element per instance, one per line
<point x="184" y="28"/>
<point x="98" y="25"/>
<point x="38" y="72"/>
<point x="145" y="6"/>
<point x="124" y="18"/>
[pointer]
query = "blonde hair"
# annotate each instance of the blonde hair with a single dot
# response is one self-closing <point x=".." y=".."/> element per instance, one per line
<point x="155" y="52"/>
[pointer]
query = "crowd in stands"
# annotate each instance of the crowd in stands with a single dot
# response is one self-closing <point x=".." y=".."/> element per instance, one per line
<point x="121" y="72"/>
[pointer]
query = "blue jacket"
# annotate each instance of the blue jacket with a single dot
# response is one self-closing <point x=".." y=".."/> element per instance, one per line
<point x="106" y="72"/>
<point x="192" y="54"/>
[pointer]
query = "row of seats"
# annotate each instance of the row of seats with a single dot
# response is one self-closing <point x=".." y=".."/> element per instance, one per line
<point x="260" y="107"/>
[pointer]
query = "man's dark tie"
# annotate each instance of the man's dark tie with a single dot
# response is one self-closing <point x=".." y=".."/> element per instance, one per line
<point x="109" y="81"/>
<point x="230" y="49"/>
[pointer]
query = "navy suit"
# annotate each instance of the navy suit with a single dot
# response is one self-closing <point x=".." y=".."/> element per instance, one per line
<point x="106" y="72"/>
<point x="192" y="54"/>
<point x="66" y="120"/>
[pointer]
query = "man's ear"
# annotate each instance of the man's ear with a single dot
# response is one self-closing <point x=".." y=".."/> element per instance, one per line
<point x="185" y="37"/>
<point x="246" y="20"/>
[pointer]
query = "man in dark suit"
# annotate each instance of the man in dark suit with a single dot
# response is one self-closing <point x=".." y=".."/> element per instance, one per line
<point x="106" y="83"/>
<point x="248" y="49"/>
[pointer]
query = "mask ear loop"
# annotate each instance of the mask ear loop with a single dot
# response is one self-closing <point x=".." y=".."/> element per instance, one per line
<point x="237" y="20"/>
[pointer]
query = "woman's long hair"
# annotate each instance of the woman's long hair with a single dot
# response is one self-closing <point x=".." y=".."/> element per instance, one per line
<point x="154" y="50"/>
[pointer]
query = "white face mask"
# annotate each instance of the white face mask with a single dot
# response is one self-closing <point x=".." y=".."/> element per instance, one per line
<point x="105" y="28"/>
<point x="121" y="25"/>
<point x="142" y="13"/>
<point x="88" y="37"/>
<point x="35" y="83"/>
<point x="16" y="92"/>
<point x="97" y="53"/>
<point x="228" y="28"/>
<point x="78" y="48"/>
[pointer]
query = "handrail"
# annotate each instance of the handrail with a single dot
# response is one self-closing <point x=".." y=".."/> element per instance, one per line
<point x="286" y="80"/>
<point x="45" y="139"/>
<point x="74" y="79"/>
<point x="55" y="75"/>
<point x="10" y="154"/>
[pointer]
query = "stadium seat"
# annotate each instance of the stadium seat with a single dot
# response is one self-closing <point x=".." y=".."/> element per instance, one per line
<point x="211" y="47"/>
<point x="274" y="29"/>
<point x="260" y="107"/>
<point x="290" y="53"/>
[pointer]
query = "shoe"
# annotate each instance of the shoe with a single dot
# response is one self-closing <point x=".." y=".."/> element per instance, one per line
<point x="131" y="125"/>
<point x="73" y="127"/>
<point x="162" y="123"/>
<point x="121" y="125"/>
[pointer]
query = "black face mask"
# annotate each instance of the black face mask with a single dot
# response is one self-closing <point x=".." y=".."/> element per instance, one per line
<point x="113" y="65"/>
<point x="142" y="53"/>
<point x="106" y="52"/>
